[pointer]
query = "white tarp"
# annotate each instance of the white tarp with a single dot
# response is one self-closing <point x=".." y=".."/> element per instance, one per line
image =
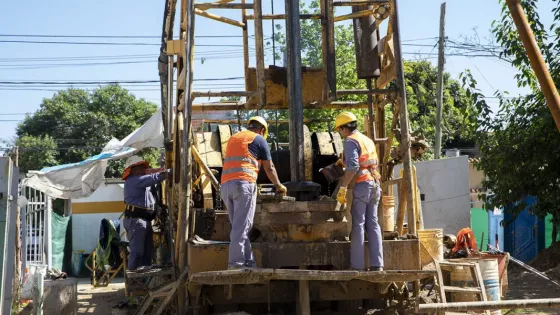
<point x="79" y="180"/>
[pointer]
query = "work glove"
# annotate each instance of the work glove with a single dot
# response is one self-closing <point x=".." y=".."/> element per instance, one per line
<point x="376" y="174"/>
<point x="282" y="189"/>
<point x="339" y="163"/>
<point x="341" y="196"/>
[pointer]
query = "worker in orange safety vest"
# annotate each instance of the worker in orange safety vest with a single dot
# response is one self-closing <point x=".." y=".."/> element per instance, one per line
<point x="360" y="161"/>
<point x="245" y="152"/>
<point x="465" y="241"/>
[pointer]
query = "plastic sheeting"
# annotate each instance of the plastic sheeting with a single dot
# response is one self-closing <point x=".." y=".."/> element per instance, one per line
<point x="58" y="241"/>
<point x="79" y="180"/>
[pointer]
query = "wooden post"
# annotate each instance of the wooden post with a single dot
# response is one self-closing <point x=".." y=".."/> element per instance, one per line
<point x="17" y="272"/>
<point x="38" y="296"/>
<point x="404" y="124"/>
<point x="536" y="59"/>
<point x="303" y="305"/>
<point x="259" y="50"/>
<point x="439" y="89"/>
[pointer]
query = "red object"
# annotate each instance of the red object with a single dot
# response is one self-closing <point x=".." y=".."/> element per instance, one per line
<point x="465" y="240"/>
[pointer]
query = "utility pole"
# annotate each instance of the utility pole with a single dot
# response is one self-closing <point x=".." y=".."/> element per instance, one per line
<point x="439" y="89"/>
<point x="16" y="282"/>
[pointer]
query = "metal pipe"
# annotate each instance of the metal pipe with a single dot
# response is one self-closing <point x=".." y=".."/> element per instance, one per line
<point x="489" y="305"/>
<point x="218" y="18"/>
<point x="207" y="6"/>
<point x="259" y="50"/>
<point x="245" y="47"/>
<point x="170" y="111"/>
<point x="359" y="3"/>
<point x="227" y="106"/>
<point x="404" y="123"/>
<point x="536" y="59"/>
<point x="196" y="94"/>
<point x="353" y="15"/>
<point x="366" y="92"/>
<point x="293" y="49"/>
<point x="283" y="16"/>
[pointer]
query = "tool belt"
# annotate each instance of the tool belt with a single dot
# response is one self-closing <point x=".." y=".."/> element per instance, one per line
<point x="132" y="212"/>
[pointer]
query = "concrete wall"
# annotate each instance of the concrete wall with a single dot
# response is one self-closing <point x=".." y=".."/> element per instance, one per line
<point x="444" y="185"/>
<point x="105" y="203"/>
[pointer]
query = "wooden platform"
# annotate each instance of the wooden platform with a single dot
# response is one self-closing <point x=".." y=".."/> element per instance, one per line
<point x="255" y="276"/>
<point x="150" y="273"/>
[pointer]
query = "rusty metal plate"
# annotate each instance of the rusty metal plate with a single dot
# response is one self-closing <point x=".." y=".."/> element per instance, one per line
<point x="210" y="148"/>
<point x="337" y="142"/>
<point x="276" y="89"/>
<point x="325" y="143"/>
<point x="224" y="133"/>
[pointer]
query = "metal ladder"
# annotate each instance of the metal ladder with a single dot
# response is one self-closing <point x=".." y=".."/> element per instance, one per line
<point x="476" y="276"/>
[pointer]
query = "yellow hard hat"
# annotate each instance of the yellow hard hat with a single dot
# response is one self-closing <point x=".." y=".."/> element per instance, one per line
<point x="261" y="121"/>
<point x="343" y="119"/>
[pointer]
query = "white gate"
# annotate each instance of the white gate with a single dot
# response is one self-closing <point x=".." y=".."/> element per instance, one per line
<point x="35" y="227"/>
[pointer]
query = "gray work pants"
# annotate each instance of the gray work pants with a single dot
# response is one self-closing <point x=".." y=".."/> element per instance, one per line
<point x="240" y="198"/>
<point x="364" y="218"/>
<point x="139" y="233"/>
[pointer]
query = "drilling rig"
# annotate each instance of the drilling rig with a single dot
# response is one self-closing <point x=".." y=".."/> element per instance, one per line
<point x="300" y="242"/>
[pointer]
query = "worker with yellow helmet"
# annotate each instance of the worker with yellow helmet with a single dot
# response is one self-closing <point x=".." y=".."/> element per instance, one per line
<point x="360" y="161"/>
<point x="245" y="152"/>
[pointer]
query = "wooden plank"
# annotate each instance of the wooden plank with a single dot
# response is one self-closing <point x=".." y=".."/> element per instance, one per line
<point x="303" y="301"/>
<point x="209" y="148"/>
<point x="401" y="209"/>
<point x="461" y="290"/>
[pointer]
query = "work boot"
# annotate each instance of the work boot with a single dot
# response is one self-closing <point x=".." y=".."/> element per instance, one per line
<point x="375" y="268"/>
<point x="236" y="267"/>
<point x="251" y="265"/>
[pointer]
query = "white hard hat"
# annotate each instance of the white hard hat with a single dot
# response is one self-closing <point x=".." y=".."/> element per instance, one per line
<point x="133" y="161"/>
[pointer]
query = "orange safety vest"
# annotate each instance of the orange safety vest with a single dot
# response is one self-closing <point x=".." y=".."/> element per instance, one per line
<point x="465" y="239"/>
<point x="368" y="158"/>
<point x="239" y="163"/>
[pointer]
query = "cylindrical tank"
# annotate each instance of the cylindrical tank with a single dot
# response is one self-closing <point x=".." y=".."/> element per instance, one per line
<point x="388" y="203"/>
<point x="461" y="277"/>
<point x="432" y="240"/>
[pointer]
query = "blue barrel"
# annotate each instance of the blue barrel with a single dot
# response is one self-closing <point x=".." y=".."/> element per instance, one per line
<point x="77" y="262"/>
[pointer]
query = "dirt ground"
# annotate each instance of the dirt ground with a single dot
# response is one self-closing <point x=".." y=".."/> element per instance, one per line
<point x="526" y="285"/>
<point x="99" y="300"/>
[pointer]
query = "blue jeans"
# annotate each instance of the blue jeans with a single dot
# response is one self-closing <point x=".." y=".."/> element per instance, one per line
<point x="365" y="200"/>
<point x="139" y="233"/>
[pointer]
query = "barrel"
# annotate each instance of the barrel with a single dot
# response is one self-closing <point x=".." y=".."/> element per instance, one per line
<point x="77" y="262"/>
<point x="461" y="277"/>
<point x="388" y="203"/>
<point x="432" y="241"/>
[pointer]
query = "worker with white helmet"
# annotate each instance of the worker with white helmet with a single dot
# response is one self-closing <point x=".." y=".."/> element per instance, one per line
<point x="139" y="213"/>
<point x="360" y="161"/>
<point x="245" y="152"/>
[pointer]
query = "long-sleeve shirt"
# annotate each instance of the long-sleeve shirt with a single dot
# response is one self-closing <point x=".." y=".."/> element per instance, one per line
<point x="352" y="152"/>
<point x="137" y="189"/>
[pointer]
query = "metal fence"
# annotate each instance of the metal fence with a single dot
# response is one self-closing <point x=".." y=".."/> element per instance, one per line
<point x="34" y="224"/>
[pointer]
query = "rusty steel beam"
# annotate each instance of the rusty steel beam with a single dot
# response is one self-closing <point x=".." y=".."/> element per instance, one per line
<point x="283" y="17"/>
<point x="489" y="305"/>
<point x="228" y="106"/>
<point x="294" y="79"/>
<point x="196" y="94"/>
<point x="166" y="80"/>
<point x="366" y="91"/>
<point x="259" y="50"/>
<point x="353" y="15"/>
<point x="218" y="18"/>
<point x="217" y="5"/>
<point x="359" y="3"/>
<point x="536" y="59"/>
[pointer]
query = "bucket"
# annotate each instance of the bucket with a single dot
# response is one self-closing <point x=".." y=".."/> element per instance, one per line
<point x="432" y="241"/>
<point x="77" y="262"/>
<point x="461" y="277"/>
<point x="388" y="203"/>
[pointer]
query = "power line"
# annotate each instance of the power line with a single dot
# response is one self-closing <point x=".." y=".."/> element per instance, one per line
<point x="85" y="82"/>
<point x="106" y="43"/>
<point x="108" y="36"/>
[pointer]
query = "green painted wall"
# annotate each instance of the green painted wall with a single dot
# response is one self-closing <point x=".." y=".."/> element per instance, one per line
<point x="479" y="225"/>
<point x="547" y="231"/>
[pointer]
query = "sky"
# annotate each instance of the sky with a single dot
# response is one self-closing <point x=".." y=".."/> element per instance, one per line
<point x="27" y="61"/>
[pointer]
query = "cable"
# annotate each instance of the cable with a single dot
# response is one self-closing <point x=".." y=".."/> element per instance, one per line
<point x="108" y="36"/>
<point x="105" y="43"/>
<point x="46" y="82"/>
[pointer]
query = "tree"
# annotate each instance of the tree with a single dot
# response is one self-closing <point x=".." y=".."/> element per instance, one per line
<point x="79" y="123"/>
<point x="420" y="79"/>
<point x="520" y="144"/>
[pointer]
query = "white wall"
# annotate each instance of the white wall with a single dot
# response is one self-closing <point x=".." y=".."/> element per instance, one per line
<point x="105" y="192"/>
<point x="445" y="186"/>
<point x="85" y="229"/>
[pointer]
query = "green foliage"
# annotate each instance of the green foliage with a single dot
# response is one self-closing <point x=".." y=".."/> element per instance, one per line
<point x="40" y="150"/>
<point x="80" y="123"/>
<point x="520" y="144"/>
<point x="458" y="111"/>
